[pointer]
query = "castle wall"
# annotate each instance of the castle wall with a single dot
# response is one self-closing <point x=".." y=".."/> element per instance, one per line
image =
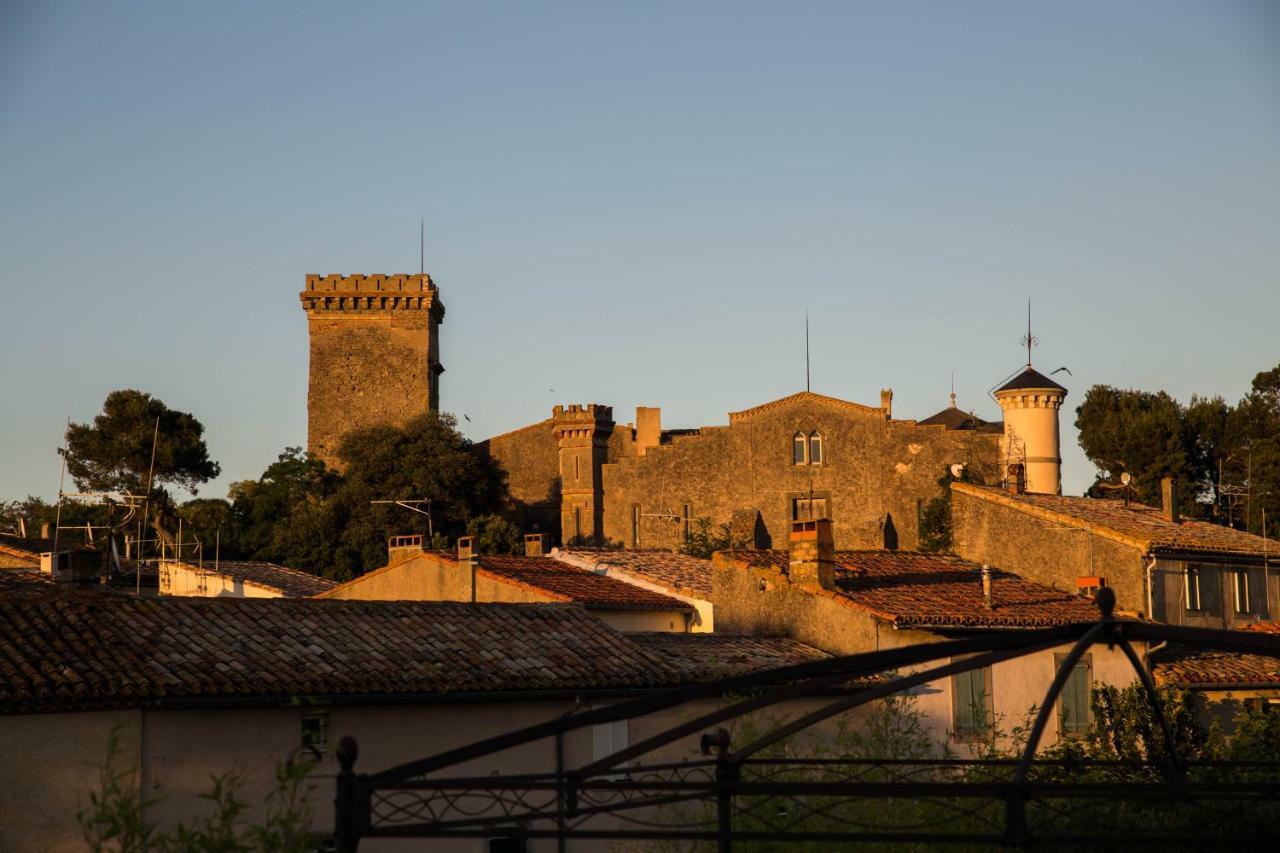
<point x="374" y="354"/>
<point x="531" y="458"/>
<point x="874" y="475"/>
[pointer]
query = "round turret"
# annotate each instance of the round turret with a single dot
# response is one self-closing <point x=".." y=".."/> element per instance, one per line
<point x="1031" y="437"/>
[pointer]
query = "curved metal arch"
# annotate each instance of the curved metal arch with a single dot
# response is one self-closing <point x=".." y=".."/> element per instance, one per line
<point x="568" y="797"/>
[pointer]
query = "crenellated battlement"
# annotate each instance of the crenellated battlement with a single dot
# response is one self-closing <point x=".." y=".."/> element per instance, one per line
<point x="371" y="293"/>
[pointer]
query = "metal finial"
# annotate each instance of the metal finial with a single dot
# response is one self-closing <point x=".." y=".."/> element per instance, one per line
<point x="1029" y="340"/>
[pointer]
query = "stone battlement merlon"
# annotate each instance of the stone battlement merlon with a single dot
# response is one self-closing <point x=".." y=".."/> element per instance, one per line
<point x="373" y="283"/>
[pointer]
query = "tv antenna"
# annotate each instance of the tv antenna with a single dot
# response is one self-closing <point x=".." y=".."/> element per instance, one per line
<point x="415" y="505"/>
<point x="806" y="351"/>
<point x="422" y="246"/>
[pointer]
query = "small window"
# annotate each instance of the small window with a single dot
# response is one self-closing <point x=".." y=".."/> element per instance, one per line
<point x="799" y="449"/>
<point x="608" y="738"/>
<point x="685" y="522"/>
<point x="971" y="698"/>
<point x="1242" y="592"/>
<point x="577" y="469"/>
<point x="315" y="732"/>
<point x="815" y="448"/>
<point x="1191" y="581"/>
<point x="577" y="522"/>
<point x="1077" y="695"/>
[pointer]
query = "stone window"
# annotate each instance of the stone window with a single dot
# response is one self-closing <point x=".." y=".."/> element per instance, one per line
<point x="1241" y="585"/>
<point x="577" y="472"/>
<point x="799" y="449"/>
<point x="1076" y="698"/>
<point x="577" y="522"/>
<point x="1191" y="584"/>
<point x="815" y="448"/>
<point x="973" y="716"/>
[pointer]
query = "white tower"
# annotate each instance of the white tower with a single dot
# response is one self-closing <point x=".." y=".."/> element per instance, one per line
<point x="1031" y="437"/>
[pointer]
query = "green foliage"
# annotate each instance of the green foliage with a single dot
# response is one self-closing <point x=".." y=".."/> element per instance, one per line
<point x="265" y="510"/>
<point x="1204" y="444"/>
<point x="495" y="535"/>
<point x="114" y="452"/>
<point x="706" y="538"/>
<point x="209" y="521"/>
<point x="33" y="511"/>
<point x="116" y="819"/>
<point x="935" y="515"/>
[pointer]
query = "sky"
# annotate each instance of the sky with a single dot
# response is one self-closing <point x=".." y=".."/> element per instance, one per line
<point x="632" y="204"/>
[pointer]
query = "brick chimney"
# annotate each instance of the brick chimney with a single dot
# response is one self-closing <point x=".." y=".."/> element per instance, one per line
<point x="1169" y="499"/>
<point x="46" y="530"/>
<point x="813" y="554"/>
<point x="535" y="544"/>
<point x="1016" y="483"/>
<point x="648" y="428"/>
<point x="886" y="402"/>
<point x="465" y="547"/>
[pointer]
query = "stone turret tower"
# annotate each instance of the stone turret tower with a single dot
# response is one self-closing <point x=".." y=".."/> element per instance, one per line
<point x="583" y="435"/>
<point x="375" y="354"/>
<point x="1031" y="402"/>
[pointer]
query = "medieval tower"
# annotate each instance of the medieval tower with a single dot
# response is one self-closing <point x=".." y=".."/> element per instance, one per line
<point x="375" y="354"/>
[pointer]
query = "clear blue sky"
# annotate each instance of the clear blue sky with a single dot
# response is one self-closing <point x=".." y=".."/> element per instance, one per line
<point x="632" y="205"/>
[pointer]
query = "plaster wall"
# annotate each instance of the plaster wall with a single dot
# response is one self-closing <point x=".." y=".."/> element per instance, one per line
<point x="180" y="579"/>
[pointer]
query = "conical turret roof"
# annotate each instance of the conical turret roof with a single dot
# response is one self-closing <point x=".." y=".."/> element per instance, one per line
<point x="1030" y="378"/>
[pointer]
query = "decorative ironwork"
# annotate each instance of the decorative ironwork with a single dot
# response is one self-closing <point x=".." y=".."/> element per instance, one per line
<point x="741" y="795"/>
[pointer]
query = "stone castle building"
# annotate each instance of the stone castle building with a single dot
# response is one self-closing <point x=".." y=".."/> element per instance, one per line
<point x="583" y="478"/>
<point x="375" y="354"/>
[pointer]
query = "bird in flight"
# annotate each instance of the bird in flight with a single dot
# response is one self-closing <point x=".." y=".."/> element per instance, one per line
<point x="1060" y="369"/>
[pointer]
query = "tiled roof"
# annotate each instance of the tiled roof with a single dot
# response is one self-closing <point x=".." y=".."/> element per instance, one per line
<point x="680" y="573"/>
<point x="20" y="583"/>
<point x="78" y="651"/>
<point x="1181" y="666"/>
<point x="562" y="582"/>
<point x="289" y="582"/>
<point x="1030" y="378"/>
<point x="705" y="656"/>
<point x="956" y="418"/>
<point x="1136" y="525"/>
<point x="913" y="590"/>
<point x="34" y="546"/>
<point x="803" y="397"/>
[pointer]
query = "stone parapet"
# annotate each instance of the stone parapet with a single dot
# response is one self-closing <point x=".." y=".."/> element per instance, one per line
<point x="363" y="294"/>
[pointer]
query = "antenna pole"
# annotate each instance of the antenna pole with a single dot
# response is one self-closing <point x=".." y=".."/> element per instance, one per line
<point x="422" y="246"/>
<point x="806" y="351"/>
<point x="1029" y="338"/>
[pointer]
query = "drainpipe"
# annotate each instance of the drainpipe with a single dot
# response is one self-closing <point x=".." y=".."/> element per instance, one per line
<point x="1151" y="610"/>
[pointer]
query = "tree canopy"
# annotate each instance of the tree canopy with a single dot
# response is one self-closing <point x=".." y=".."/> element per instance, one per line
<point x="1226" y="457"/>
<point x="114" y="452"/>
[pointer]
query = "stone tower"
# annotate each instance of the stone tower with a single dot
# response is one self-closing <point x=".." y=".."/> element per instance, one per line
<point x="1031" y="402"/>
<point x="583" y="435"/>
<point x="375" y="354"/>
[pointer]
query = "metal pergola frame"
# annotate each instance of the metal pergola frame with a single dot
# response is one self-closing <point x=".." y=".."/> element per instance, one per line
<point x="1014" y="806"/>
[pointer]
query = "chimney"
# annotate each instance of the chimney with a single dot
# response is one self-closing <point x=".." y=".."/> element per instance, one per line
<point x="465" y="549"/>
<point x="535" y="544"/>
<point x="648" y="428"/>
<point x="813" y="554"/>
<point x="1169" y="499"/>
<point x="399" y="547"/>
<point x="886" y="402"/>
<point x="46" y="531"/>
<point x="1016" y="483"/>
<point x="986" y="587"/>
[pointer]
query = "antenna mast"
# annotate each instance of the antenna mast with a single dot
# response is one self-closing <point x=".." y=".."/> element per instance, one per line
<point x="422" y="246"/>
<point x="806" y="351"/>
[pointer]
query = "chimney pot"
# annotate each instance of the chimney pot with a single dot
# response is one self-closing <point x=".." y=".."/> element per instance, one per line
<point x="1169" y="499"/>
<point x="986" y="587"/>
<point x="465" y="549"/>
<point x="46" y="530"/>
<point x="886" y="401"/>
<point x="812" y="554"/>
<point x="535" y="544"/>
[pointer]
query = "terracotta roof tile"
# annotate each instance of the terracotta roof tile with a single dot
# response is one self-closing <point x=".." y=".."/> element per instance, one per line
<point x="957" y="418"/>
<point x="289" y="582"/>
<point x="914" y="590"/>
<point x="1181" y="666"/>
<point x="726" y="655"/>
<point x="572" y="584"/>
<point x="15" y="583"/>
<point x="77" y="651"/>
<point x="679" y="573"/>
<point x="803" y="396"/>
<point x="1030" y="378"/>
<point x="1137" y="525"/>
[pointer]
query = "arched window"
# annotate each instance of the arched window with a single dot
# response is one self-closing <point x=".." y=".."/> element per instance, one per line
<point x="799" y="450"/>
<point x="815" y="448"/>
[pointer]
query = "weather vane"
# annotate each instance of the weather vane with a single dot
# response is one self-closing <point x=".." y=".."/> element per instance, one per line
<point x="1029" y="340"/>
